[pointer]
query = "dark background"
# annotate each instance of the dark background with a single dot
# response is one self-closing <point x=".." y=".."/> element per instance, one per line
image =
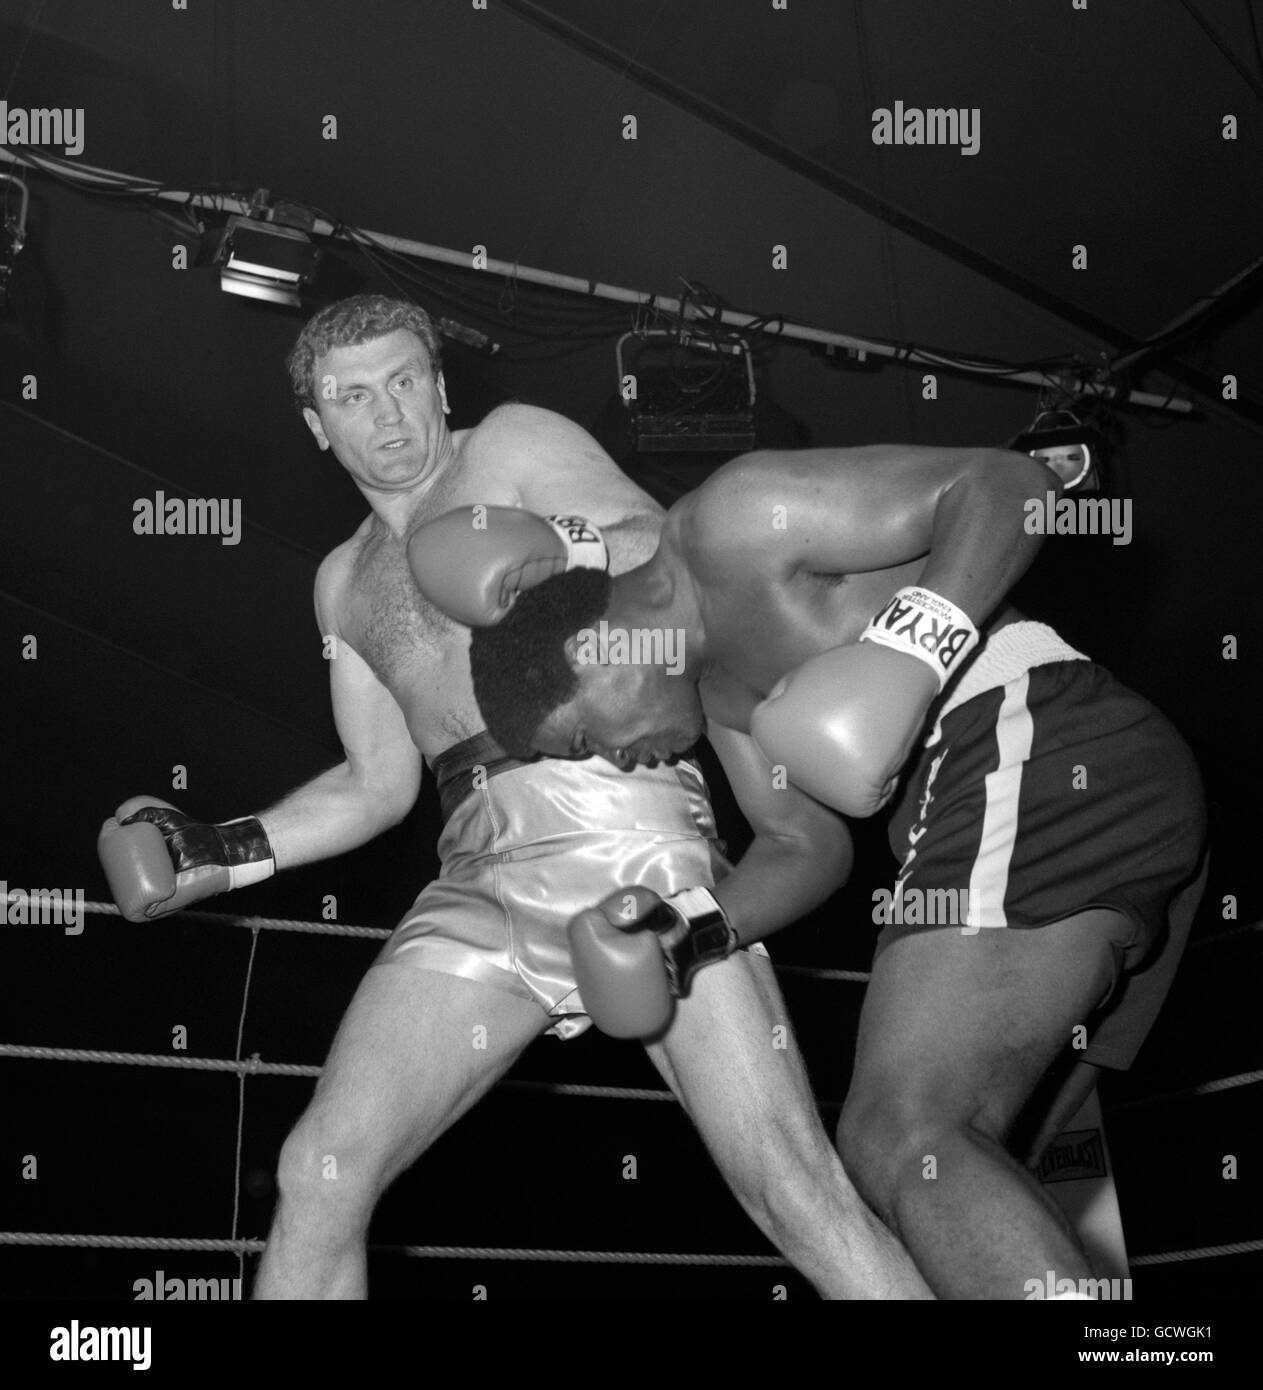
<point x="503" y="128"/>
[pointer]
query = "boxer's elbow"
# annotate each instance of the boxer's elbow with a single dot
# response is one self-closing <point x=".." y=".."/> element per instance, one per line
<point x="831" y="846"/>
<point x="1013" y="475"/>
<point x="382" y="798"/>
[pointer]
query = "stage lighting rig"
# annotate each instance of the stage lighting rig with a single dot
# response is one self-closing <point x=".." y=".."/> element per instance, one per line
<point x="687" y="391"/>
<point x="268" y="253"/>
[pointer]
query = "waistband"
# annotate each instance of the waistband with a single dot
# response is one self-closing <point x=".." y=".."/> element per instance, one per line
<point x="1007" y="654"/>
<point x="453" y="766"/>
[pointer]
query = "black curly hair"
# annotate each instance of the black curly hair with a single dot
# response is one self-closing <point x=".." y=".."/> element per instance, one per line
<point x="519" y="666"/>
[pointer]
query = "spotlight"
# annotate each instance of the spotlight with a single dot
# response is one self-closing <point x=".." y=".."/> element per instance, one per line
<point x="262" y="260"/>
<point x="687" y="392"/>
<point x="1073" y="450"/>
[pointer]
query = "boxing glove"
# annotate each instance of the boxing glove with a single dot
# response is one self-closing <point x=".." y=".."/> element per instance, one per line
<point x="635" y="953"/>
<point x="158" y="860"/>
<point x="471" y="563"/>
<point x="844" y="723"/>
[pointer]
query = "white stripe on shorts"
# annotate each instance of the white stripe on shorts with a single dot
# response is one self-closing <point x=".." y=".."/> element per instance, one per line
<point x="989" y="878"/>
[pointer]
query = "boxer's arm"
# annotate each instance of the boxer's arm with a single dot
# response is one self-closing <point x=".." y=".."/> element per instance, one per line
<point x="377" y="782"/>
<point x="801" y="854"/>
<point x="848" y="511"/>
<point x="844" y="722"/>
<point x="557" y="468"/>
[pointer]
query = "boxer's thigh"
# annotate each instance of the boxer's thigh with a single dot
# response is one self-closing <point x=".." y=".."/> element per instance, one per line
<point x="415" y="1050"/>
<point x="959" y="1028"/>
<point x="732" y="1058"/>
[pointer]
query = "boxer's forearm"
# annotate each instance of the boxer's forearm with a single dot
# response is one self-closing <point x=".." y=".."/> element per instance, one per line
<point x="330" y="815"/>
<point x="779" y="881"/>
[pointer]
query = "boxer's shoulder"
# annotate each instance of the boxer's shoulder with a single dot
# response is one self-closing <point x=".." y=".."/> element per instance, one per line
<point x="736" y="518"/>
<point x="515" y="438"/>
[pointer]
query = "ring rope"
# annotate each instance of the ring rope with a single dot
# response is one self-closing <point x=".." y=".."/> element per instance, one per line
<point x="1206" y="1252"/>
<point x="382" y="933"/>
<point x="247" y="1066"/>
<point x="489" y="1252"/>
<point x="424" y="1252"/>
<point x="587" y="1257"/>
<point x="1202" y="1088"/>
<point x="241" y="1098"/>
<point x="234" y="919"/>
<point x="254" y="1066"/>
<point x="1245" y="929"/>
<point x="818" y="972"/>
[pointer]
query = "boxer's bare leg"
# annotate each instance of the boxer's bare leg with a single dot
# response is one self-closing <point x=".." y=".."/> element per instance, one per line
<point x="955" y="1034"/>
<point x="745" y="1087"/>
<point x="403" y="1068"/>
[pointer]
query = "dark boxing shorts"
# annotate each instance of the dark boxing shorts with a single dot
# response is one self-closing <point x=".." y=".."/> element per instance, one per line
<point x="1046" y="788"/>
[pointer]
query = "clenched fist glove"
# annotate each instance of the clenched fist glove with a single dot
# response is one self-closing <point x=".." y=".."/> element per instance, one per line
<point x="158" y="860"/>
<point x="635" y="953"/>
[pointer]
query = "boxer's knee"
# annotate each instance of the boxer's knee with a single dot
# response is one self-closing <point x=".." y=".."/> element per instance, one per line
<point x="866" y="1137"/>
<point x="890" y="1139"/>
<point x="329" y="1165"/>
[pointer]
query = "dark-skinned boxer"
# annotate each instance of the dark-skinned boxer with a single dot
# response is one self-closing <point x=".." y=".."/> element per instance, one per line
<point x="483" y="950"/>
<point x="843" y="626"/>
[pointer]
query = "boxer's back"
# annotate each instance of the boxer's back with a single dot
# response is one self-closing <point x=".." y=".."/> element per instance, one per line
<point x="746" y="535"/>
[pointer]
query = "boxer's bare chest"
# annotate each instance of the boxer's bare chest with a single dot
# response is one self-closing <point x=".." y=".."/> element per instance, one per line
<point x="388" y="622"/>
<point x="385" y="618"/>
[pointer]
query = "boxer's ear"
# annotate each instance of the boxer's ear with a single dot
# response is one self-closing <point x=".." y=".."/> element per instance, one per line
<point x="314" y="425"/>
<point x="584" y="649"/>
<point x="442" y="385"/>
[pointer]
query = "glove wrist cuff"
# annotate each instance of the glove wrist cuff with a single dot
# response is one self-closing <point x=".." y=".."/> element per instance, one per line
<point x="247" y="850"/>
<point x="921" y="623"/>
<point x="706" y="935"/>
<point x="585" y="545"/>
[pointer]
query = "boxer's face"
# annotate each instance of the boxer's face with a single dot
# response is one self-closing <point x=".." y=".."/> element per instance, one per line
<point x="626" y="714"/>
<point x="381" y="411"/>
